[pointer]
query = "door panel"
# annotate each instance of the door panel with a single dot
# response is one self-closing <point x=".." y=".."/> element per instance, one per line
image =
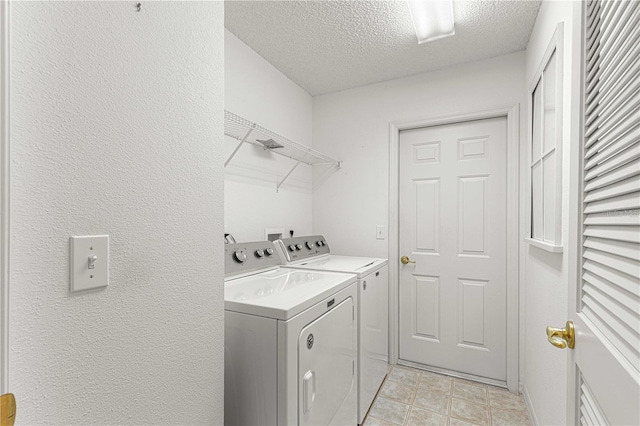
<point x="326" y="365"/>
<point x="452" y="301"/>
<point x="604" y="285"/>
<point x="426" y="292"/>
<point x="373" y="338"/>
<point x="427" y="197"/>
<point x="471" y="319"/>
<point x="471" y="215"/>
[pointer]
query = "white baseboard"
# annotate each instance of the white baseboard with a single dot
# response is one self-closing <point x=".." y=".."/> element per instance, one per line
<point x="527" y="401"/>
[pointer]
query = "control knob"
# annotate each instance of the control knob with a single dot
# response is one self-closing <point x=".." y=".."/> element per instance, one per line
<point x="240" y="256"/>
<point x="269" y="251"/>
<point x="310" y="245"/>
<point x="292" y="247"/>
<point x="259" y="253"/>
<point x="298" y="246"/>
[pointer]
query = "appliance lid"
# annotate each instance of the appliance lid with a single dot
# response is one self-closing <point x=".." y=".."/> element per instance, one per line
<point x="362" y="266"/>
<point x="282" y="293"/>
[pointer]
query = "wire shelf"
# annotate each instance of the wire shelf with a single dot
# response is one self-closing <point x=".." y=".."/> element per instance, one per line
<point x="244" y="130"/>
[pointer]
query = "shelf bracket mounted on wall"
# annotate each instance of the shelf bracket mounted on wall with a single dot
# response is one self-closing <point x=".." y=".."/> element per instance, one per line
<point x="245" y="131"/>
<point x="286" y="176"/>
<point x="244" y="139"/>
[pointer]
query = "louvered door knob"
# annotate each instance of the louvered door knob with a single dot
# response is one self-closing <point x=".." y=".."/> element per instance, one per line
<point x="562" y="337"/>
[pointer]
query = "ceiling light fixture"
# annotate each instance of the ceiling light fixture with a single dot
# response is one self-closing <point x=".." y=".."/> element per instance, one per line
<point x="432" y="19"/>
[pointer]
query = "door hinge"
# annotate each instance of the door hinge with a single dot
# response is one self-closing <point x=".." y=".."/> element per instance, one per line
<point x="353" y="367"/>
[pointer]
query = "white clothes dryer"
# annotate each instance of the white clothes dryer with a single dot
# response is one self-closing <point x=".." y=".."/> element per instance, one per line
<point x="313" y="253"/>
<point x="290" y="341"/>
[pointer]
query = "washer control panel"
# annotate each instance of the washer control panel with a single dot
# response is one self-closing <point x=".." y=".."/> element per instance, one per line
<point x="240" y="258"/>
<point x="299" y="248"/>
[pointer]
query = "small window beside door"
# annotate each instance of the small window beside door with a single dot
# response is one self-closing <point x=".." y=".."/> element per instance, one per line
<point x="545" y="150"/>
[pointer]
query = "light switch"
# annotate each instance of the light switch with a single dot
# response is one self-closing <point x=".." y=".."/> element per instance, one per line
<point x="381" y="232"/>
<point x="89" y="262"/>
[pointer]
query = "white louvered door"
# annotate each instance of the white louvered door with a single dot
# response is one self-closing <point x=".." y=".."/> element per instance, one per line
<point x="604" y="372"/>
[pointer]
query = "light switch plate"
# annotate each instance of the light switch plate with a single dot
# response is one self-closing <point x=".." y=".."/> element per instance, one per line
<point x="381" y="232"/>
<point x="85" y="252"/>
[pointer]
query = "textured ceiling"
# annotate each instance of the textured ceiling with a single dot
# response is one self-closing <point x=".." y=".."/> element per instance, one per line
<point x="326" y="46"/>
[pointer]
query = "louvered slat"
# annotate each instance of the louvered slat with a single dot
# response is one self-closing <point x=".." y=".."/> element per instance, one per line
<point x="590" y="413"/>
<point x="603" y="16"/>
<point x="624" y="202"/>
<point x="617" y="189"/>
<point x="620" y="78"/>
<point x="607" y="78"/>
<point x="614" y="99"/>
<point x="610" y="296"/>
<point x="614" y="12"/>
<point x="629" y="283"/>
<point x="624" y="319"/>
<point x="616" y="233"/>
<point x="618" y="174"/>
<point x="625" y="298"/>
<point x="624" y="136"/>
<point x="601" y="73"/>
<point x="615" y="220"/>
<point x="624" y="340"/>
<point x="620" y="263"/>
<point x="602" y="70"/>
<point x="618" y="45"/>
<point x="605" y="122"/>
<point x="593" y="14"/>
<point x="610" y="34"/>
<point x="614" y="248"/>
<point x="587" y="418"/>
<point x="592" y="6"/>
<point x="593" y="31"/>
<point x="621" y="158"/>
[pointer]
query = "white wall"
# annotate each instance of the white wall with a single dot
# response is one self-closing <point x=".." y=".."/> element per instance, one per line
<point x="545" y="274"/>
<point x="257" y="91"/>
<point x="353" y="126"/>
<point x="116" y="124"/>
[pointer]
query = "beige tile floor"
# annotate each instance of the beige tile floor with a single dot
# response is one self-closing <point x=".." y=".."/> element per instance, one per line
<point x="415" y="397"/>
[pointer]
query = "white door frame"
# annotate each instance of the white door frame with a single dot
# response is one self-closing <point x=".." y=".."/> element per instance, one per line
<point x="512" y="114"/>
<point x="4" y="197"/>
<point x="576" y="205"/>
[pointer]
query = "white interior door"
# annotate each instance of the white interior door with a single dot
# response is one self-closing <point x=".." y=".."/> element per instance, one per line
<point x="604" y="366"/>
<point x="452" y="224"/>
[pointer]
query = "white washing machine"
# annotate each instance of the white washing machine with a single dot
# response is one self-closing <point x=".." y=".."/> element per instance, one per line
<point x="290" y="341"/>
<point x="313" y="253"/>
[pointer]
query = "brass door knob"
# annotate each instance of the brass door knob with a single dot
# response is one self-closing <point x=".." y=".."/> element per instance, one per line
<point x="562" y="337"/>
<point x="7" y="409"/>
<point x="405" y="260"/>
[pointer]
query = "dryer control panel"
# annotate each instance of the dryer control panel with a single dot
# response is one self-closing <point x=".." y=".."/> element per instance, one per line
<point x="241" y="258"/>
<point x="299" y="248"/>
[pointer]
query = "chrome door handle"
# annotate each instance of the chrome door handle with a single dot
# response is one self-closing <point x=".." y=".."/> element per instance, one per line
<point x="562" y="337"/>
<point x="405" y="260"/>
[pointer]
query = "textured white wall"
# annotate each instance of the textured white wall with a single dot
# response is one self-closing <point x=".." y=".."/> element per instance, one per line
<point x="257" y="91"/>
<point x="353" y="126"/>
<point x="546" y="275"/>
<point x="116" y="123"/>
